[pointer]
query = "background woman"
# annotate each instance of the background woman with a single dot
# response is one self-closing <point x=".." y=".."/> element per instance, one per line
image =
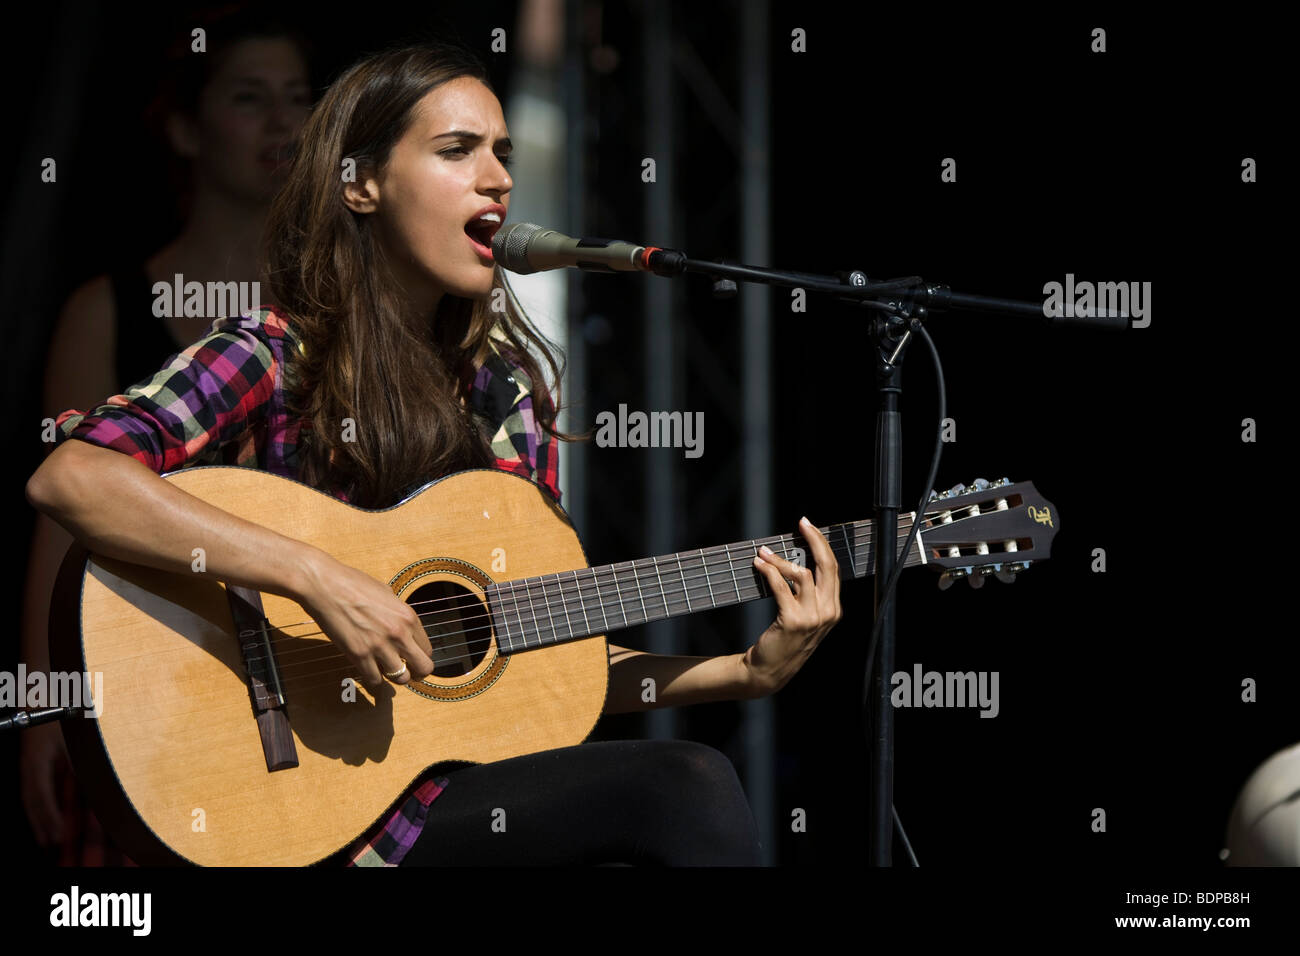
<point x="230" y="115"/>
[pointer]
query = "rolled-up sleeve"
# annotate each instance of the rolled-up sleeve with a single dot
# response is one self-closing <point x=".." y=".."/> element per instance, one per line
<point x="205" y="397"/>
<point x="546" y="459"/>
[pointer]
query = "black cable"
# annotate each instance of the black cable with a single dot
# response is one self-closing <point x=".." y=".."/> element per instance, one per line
<point x="907" y="844"/>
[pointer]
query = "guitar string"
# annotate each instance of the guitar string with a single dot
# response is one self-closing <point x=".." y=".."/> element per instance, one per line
<point x="675" y="595"/>
<point x="331" y="651"/>
<point x="463" y="601"/>
<point x="861" y="529"/>
<point x="592" y="583"/>
<point x="615" y="568"/>
<point x="671" y="596"/>
<point x="297" y="683"/>
<point x="343" y="664"/>
<point x="294" y="684"/>
<point x="325" y="650"/>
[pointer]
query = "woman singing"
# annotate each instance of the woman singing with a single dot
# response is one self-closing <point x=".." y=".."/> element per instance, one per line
<point x="379" y="265"/>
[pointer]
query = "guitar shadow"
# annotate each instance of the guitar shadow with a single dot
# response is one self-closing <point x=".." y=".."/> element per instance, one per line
<point x="330" y="711"/>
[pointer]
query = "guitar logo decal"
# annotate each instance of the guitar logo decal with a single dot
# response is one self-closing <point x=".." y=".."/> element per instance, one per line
<point x="1042" y="517"/>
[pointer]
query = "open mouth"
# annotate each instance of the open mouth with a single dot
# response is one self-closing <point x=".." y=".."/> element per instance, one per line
<point x="480" y="232"/>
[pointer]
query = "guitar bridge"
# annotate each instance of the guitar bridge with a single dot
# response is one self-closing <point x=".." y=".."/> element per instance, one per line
<point x="264" y="687"/>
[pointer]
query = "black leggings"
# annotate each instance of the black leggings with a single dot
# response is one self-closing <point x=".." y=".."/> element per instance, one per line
<point x="641" y="802"/>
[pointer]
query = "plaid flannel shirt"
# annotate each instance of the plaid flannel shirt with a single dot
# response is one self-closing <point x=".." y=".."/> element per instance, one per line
<point x="222" y="402"/>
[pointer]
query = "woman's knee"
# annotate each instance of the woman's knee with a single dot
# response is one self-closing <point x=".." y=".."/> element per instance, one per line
<point x="697" y="765"/>
<point x="705" y="795"/>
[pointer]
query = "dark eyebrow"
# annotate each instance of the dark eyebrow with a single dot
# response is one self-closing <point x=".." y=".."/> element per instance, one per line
<point x="475" y="138"/>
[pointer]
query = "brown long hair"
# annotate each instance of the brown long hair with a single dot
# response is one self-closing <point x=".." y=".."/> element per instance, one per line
<point x="367" y="356"/>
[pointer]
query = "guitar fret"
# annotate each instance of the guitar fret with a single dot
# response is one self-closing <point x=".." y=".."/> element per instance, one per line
<point x="519" y="618"/>
<point x="528" y="589"/>
<point x="550" y="614"/>
<point x="848" y="548"/>
<point x="595" y="577"/>
<point x="685" y="589"/>
<point x="613" y="573"/>
<point x="562" y="604"/>
<point x="705" y="565"/>
<point x="582" y="604"/>
<point x="732" y="567"/>
<point x="636" y="578"/>
<point x="663" y="595"/>
<point x="546" y="601"/>
<point x="504" y="638"/>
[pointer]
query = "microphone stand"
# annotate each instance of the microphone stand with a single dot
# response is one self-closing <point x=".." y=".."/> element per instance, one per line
<point x="903" y="304"/>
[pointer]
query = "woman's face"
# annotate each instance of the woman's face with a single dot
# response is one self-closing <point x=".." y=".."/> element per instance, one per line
<point x="250" y="113"/>
<point x="440" y="177"/>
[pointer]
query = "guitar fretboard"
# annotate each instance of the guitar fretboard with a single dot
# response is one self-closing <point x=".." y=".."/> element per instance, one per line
<point x="553" y="608"/>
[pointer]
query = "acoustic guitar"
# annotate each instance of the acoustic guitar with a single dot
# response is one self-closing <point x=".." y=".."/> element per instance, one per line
<point x="226" y="715"/>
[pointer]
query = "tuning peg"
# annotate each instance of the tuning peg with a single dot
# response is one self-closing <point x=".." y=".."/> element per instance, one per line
<point x="1007" y="573"/>
<point x="976" y="581"/>
<point x="980" y="484"/>
<point x="955" y="490"/>
<point x="945" y="580"/>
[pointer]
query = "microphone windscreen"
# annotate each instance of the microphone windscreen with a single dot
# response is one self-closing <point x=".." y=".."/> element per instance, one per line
<point x="510" y="246"/>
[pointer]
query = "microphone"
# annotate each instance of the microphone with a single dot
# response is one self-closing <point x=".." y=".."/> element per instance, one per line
<point x="526" y="248"/>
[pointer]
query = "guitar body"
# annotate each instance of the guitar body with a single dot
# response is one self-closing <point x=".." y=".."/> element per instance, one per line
<point x="175" y="763"/>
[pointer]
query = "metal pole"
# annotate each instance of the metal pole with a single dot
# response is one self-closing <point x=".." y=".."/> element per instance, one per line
<point x="662" y="515"/>
<point x="756" y="416"/>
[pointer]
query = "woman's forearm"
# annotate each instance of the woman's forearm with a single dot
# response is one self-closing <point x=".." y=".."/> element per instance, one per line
<point x="118" y="508"/>
<point x="642" y="681"/>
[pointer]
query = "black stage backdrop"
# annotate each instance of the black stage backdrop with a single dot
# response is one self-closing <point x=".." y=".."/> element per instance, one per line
<point x="1120" y="690"/>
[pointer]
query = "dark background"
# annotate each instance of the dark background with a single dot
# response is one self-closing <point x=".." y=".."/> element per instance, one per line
<point x="1119" y="690"/>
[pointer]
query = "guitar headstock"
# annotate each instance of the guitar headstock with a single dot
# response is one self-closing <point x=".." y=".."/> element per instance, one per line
<point x="991" y="528"/>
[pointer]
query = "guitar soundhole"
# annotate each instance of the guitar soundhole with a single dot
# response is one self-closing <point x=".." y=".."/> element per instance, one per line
<point x="457" y="623"/>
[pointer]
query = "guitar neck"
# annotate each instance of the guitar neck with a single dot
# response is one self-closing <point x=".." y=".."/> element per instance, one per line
<point x="553" y="608"/>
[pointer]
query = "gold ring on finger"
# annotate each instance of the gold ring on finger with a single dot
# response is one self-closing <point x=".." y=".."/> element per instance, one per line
<point x="397" y="673"/>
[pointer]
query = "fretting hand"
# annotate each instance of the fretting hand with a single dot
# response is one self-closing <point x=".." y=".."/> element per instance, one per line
<point x="807" y="608"/>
